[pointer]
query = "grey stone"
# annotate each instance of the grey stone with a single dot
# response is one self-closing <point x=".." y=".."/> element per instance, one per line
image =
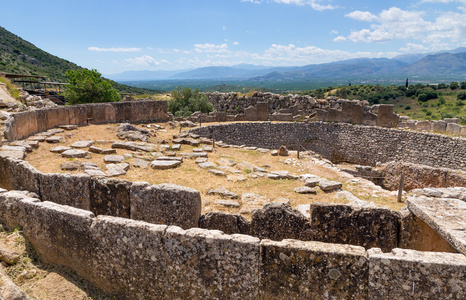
<point x="95" y="173"/>
<point x="82" y="144"/>
<point x="207" y="165"/>
<point x="217" y="172"/>
<point x="140" y="163"/>
<point x="201" y="160"/>
<point x="74" y="153"/>
<point x="115" y="170"/>
<point x="54" y="139"/>
<point x="164" y="164"/>
<point x="169" y="158"/>
<point x="222" y="192"/>
<point x="227" y="203"/>
<point x="227" y="223"/>
<point x="112" y="159"/>
<point x="70" y="166"/>
<point x="305" y="190"/>
<point x="60" y="149"/>
<point x="97" y="150"/>
<point x="329" y="186"/>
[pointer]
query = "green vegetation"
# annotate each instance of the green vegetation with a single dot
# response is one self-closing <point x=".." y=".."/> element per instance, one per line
<point x="10" y="87"/>
<point x="186" y="101"/>
<point x="88" y="86"/>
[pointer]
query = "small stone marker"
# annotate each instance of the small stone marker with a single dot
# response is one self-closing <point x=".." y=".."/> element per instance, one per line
<point x="217" y="172"/>
<point x="329" y="186"/>
<point x="140" y="163"/>
<point x="222" y="192"/>
<point x="305" y="190"/>
<point x="60" y="149"/>
<point x="53" y="139"/>
<point x="97" y="150"/>
<point x="70" y="166"/>
<point x="115" y="170"/>
<point x="82" y="144"/>
<point x="207" y="165"/>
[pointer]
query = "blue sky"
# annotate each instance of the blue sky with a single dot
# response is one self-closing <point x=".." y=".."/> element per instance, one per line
<point x="113" y="36"/>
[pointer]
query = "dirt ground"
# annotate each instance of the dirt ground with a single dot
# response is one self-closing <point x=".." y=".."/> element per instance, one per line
<point x="240" y="179"/>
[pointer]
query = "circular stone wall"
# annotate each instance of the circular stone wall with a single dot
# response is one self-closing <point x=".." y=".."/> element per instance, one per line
<point x="340" y="142"/>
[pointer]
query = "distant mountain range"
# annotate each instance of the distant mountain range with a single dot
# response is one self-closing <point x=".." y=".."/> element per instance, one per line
<point x="428" y="65"/>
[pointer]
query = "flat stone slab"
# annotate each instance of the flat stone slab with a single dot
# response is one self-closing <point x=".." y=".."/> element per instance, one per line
<point x="108" y="151"/>
<point x="169" y="158"/>
<point x="115" y="170"/>
<point x="82" y="144"/>
<point x="201" y="160"/>
<point x="97" y="150"/>
<point x="312" y="182"/>
<point x="227" y="203"/>
<point x="60" y="149"/>
<point x="113" y="159"/>
<point x="329" y="186"/>
<point x="446" y="216"/>
<point x="54" y="139"/>
<point x="38" y="138"/>
<point x="305" y="190"/>
<point x="140" y="163"/>
<point x="74" y="153"/>
<point x="95" y="173"/>
<point x="176" y="147"/>
<point x="194" y="154"/>
<point x="165" y="164"/>
<point x="133" y="147"/>
<point x="222" y="192"/>
<point x="207" y="165"/>
<point x="70" y="166"/>
<point x="68" y="127"/>
<point x="217" y="172"/>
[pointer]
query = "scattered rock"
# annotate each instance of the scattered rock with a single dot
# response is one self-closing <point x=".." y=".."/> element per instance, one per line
<point x="207" y="165"/>
<point x="68" y="127"/>
<point x="97" y="150"/>
<point x="274" y="153"/>
<point x="222" y="192"/>
<point x="236" y="178"/>
<point x="329" y="186"/>
<point x="54" y="139"/>
<point x="227" y="203"/>
<point x="74" y="153"/>
<point x="140" y="163"/>
<point x="82" y="144"/>
<point x="312" y="182"/>
<point x="115" y="170"/>
<point x="70" y="166"/>
<point x="217" y="172"/>
<point x="305" y="190"/>
<point x="201" y="160"/>
<point x="165" y="164"/>
<point x="283" y="151"/>
<point x="95" y="173"/>
<point x="112" y="159"/>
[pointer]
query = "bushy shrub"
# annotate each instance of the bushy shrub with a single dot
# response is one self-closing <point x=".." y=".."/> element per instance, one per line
<point x="88" y="86"/>
<point x="461" y="95"/>
<point x="186" y="101"/>
<point x="407" y="107"/>
<point x="427" y="95"/>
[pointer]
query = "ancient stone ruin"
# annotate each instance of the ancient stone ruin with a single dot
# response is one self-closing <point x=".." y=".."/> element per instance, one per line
<point x="142" y="241"/>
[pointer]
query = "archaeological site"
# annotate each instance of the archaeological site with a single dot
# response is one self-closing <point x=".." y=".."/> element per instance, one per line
<point x="267" y="197"/>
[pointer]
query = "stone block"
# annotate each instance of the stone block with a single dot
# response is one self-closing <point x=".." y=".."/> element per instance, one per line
<point x="262" y="111"/>
<point x="386" y="116"/>
<point x="335" y="115"/>
<point x="167" y="204"/>
<point x="133" y="253"/>
<point x="439" y="126"/>
<point x="321" y="115"/>
<point x="345" y="224"/>
<point x="453" y="128"/>
<point x="278" y="221"/>
<point x="206" y="264"/>
<point x="52" y="118"/>
<point x="97" y="113"/>
<point x="227" y="223"/>
<point x="82" y="113"/>
<point x="110" y="197"/>
<point x="410" y="274"/>
<point x="415" y="234"/>
<point x="293" y="269"/>
<point x="423" y="125"/>
<point x="369" y="119"/>
<point x="250" y="113"/>
<point x="65" y="189"/>
<point x="445" y="216"/>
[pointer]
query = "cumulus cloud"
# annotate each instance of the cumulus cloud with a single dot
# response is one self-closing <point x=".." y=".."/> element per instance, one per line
<point x="339" y="39"/>
<point x="145" y="60"/>
<point x="363" y="16"/>
<point x="236" y="43"/>
<point x="413" y="48"/>
<point x="114" y="49"/>
<point x="206" y="48"/>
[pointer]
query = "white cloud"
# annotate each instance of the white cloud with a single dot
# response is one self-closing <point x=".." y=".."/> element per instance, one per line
<point x="339" y="39"/>
<point x="443" y="1"/>
<point x="413" y="48"/>
<point x="334" y="31"/>
<point x="114" y="49"/>
<point x="145" y="60"/>
<point x="203" y="48"/>
<point x="312" y="3"/>
<point x="363" y="16"/>
<point x="236" y="43"/>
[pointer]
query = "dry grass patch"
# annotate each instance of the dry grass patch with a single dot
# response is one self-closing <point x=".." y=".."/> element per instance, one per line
<point x="191" y="175"/>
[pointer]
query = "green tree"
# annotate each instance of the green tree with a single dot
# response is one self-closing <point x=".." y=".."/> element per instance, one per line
<point x="186" y="101"/>
<point x="88" y="86"/>
<point x="454" y="85"/>
<point x="461" y="95"/>
<point x="463" y="85"/>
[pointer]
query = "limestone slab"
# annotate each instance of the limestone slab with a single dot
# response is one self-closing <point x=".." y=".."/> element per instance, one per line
<point x="82" y="144"/>
<point x="165" y="164"/>
<point x="446" y="216"/>
<point x="74" y="153"/>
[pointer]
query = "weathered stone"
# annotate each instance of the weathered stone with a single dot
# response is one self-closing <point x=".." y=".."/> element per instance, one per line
<point x="410" y="274"/>
<point x="107" y="151"/>
<point x="60" y="149"/>
<point x="222" y="192"/>
<point x="112" y="159"/>
<point x="97" y="150"/>
<point x="54" y="139"/>
<point x="305" y="190"/>
<point x="227" y="203"/>
<point x="165" y="204"/>
<point x="82" y="144"/>
<point x="446" y="216"/>
<point x="329" y="186"/>
<point x="95" y="173"/>
<point x="115" y="170"/>
<point x="226" y="162"/>
<point x="346" y="224"/>
<point x="15" y="152"/>
<point x="70" y="166"/>
<point x="207" y="165"/>
<point x="201" y="160"/>
<point x="312" y="182"/>
<point x="217" y="172"/>
<point x="165" y="164"/>
<point x="227" y="223"/>
<point x="169" y="158"/>
<point x="65" y="189"/>
<point x="312" y="270"/>
<point x="110" y="197"/>
<point x="74" y="153"/>
<point x="282" y="151"/>
<point x="68" y="127"/>
<point x="140" y="163"/>
<point x="278" y="221"/>
<point x="132" y="147"/>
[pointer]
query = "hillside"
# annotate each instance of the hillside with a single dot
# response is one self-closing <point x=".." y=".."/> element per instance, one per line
<point x="20" y="56"/>
<point x="443" y="64"/>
